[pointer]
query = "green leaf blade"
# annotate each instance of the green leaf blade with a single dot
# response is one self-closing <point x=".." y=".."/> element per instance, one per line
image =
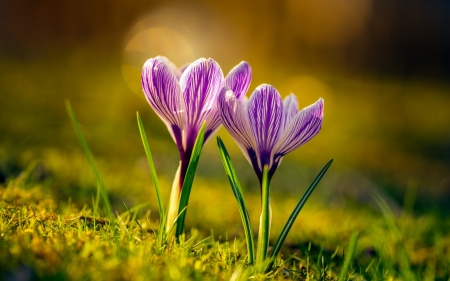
<point x="405" y="265"/>
<point x="151" y="165"/>
<point x="236" y="187"/>
<point x="349" y="256"/>
<point x="294" y="214"/>
<point x="189" y="179"/>
<point x="93" y="166"/>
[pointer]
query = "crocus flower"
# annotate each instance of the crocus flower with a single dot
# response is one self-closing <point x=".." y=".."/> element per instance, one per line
<point x="265" y="127"/>
<point x="186" y="97"/>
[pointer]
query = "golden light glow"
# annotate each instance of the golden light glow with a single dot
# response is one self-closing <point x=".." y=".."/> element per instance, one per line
<point x="151" y="42"/>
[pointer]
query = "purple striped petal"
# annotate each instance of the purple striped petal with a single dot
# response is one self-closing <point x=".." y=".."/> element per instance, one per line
<point x="233" y="114"/>
<point x="303" y="127"/>
<point x="265" y="111"/>
<point x="175" y="70"/>
<point x="163" y="93"/>
<point x="290" y="109"/>
<point x="200" y="84"/>
<point x="239" y="79"/>
<point x="213" y="122"/>
<point x="183" y="68"/>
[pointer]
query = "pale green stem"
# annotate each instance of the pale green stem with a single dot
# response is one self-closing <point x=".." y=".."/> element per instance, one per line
<point x="265" y="221"/>
<point x="174" y="201"/>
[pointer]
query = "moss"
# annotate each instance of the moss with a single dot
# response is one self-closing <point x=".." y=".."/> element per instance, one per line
<point x="43" y="238"/>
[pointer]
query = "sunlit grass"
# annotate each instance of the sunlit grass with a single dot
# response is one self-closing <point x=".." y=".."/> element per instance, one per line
<point x="48" y="237"/>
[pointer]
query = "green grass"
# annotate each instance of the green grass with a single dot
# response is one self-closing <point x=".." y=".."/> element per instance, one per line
<point x="48" y="238"/>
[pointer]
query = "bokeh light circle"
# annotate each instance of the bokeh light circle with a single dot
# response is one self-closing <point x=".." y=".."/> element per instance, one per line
<point x="151" y="41"/>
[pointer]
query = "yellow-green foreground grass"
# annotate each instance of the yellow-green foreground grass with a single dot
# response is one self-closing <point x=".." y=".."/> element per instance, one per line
<point x="43" y="237"/>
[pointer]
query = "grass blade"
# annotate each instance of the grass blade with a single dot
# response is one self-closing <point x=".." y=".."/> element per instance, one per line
<point x="349" y="256"/>
<point x="236" y="187"/>
<point x="175" y="220"/>
<point x="405" y="266"/>
<point x="90" y="158"/>
<point x="151" y="165"/>
<point x="133" y="216"/>
<point x="294" y="214"/>
<point x="189" y="179"/>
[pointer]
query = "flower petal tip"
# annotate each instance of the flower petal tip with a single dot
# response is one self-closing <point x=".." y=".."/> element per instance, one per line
<point x="239" y="79"/>
<point x="319" y="104"/>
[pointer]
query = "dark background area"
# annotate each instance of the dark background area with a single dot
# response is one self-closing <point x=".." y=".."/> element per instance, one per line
<point x="405" y="38"/>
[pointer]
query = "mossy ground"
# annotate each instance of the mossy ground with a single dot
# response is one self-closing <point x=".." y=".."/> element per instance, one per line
<point x="45" y="238"/>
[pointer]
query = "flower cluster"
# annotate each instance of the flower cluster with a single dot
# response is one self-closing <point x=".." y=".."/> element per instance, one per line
<point x="265" y="127"/>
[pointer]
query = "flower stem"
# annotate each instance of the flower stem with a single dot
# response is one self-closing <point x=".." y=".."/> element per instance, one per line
<point x="264" y="226"/>
<point x="174" y="201"/>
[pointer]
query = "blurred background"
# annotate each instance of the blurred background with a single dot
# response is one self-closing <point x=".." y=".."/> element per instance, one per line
<point x="382" y="67"/>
